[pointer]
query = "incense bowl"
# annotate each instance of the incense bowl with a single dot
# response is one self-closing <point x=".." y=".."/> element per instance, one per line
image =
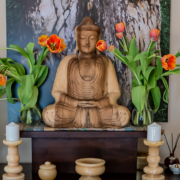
<point x="174" y="169"/>
<point x="90" y="168"/>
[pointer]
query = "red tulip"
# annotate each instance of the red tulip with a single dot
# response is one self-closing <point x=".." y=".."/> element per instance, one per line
<point x="42" y="40"/>
<point x="111" y="48"/>
<point x="101" y="45"/>
<point x="2" y="80"/>
<point x="55" y="44"/>
<point x="168" y="62"/>
<point x="119" y="35"/>
<point x="154" y="33"/>
<point x="120" y="27"/>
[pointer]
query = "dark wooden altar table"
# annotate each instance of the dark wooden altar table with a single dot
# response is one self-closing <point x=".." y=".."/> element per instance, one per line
<point x="118" y="147"/>
<point x="27" y="170"/>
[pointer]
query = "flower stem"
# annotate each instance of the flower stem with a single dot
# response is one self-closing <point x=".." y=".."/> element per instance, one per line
<point x="125" y="45"/>
<point x="150" y="44"/>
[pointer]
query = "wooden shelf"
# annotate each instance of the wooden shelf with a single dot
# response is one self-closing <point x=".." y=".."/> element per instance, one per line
<point x="83" y="134"/>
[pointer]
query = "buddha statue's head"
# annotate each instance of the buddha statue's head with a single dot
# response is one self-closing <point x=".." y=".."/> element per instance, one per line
<point x="87" y="35"/>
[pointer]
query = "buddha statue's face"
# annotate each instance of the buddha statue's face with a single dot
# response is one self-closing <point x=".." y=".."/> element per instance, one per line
<point x="86" y="41"/>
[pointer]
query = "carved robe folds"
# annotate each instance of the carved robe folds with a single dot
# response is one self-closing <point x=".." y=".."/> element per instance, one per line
<point x="81" y="83"/>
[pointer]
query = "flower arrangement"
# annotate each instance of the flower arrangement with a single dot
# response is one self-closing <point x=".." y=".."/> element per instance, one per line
<point x="145" y="75"/>
<point x="29" y="83"/>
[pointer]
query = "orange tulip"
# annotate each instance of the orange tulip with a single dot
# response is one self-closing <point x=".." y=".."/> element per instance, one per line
<point x="168" y="62"/>
<point x="101" y="45"/>
<point x="154" y="33"/>
<point x="111" y="48"/>
<point x="120" y="27"/>
<point x="119" y="35"/>
<point x="2" y="80"/>
<point x="55" y="44"/>
<point x="42" y="40"/>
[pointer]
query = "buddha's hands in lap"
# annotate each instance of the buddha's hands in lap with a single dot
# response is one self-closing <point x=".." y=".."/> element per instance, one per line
<point x="87" y="104"/>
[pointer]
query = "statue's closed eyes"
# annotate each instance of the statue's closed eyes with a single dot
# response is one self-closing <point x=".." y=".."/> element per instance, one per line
<point x="86" y="87"/>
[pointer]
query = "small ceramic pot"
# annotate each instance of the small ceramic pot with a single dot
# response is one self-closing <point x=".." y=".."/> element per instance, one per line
<point x="174" y="169"/>
<point x="90" y="168"/>
<point x="47" y="171"/>
<point x="171" y="160"/>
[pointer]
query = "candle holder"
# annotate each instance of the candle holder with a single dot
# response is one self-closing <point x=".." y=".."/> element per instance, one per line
<point x="153" y="170"/>
<point x="13" y="169"/>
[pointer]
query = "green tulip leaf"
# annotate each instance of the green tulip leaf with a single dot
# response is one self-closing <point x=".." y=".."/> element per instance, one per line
<point x="159" y="68"/>
<point x="177" y="55"/>
<point x="32" y="102"/>
<point x="138" y="97"/>
<point x="174" y="71"/>
<point x="156" y="95"/>
<point x="30" y="48"/>
<point x="23" y="53"/>
<point x="138" y="71"/>
<point x="166" y="92"/>
<point x="25" y="90"/>
<point x="153" y="45"/>
<point x="42" y="75"/>
<point x="133" y="50"/>
<point x="41" y="56"/>
<point x="151" y="80"/>
<point x="9" y="90"/>
<point x="20" y="69"/>
<point x="35" y="72"/>
<point x="143" y="57"/>
<point x="148" y="72"/>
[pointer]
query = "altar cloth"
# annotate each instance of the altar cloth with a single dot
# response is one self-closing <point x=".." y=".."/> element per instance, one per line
<point x="44" y="127"/>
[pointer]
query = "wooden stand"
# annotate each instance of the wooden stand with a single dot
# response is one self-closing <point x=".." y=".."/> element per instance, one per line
<point x="153" y="170"/>
<point x="13" y="169"/>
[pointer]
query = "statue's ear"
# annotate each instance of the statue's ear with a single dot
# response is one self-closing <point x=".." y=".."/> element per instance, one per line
<point x="76" y="49"/>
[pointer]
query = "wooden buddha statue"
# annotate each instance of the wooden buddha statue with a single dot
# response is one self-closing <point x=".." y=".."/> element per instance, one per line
<point x="86" y="89"/>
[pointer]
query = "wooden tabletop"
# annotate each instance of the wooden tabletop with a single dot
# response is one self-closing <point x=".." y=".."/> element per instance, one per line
<point x="27" y="170"/>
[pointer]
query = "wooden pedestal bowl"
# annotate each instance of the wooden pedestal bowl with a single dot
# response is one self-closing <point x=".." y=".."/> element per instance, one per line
<point x="90" y="168"/>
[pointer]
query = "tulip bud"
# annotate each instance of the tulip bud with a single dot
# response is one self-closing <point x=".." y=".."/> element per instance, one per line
<point x="111" y="48"/>
<point x="120" y="27"/>
<point x="154" y="33"/>
<point x="42" y="40"/>
<point x="2" y="80"/>
<point x="101" y="45"/>
<point x="119" y="35"/>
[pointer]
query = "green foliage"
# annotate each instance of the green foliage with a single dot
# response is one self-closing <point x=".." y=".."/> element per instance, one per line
<point x="145" y="77"/>
<point x="29" y="83"/>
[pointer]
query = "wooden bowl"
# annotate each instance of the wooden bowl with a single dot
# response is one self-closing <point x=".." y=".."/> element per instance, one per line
<point x="90" y="168"/>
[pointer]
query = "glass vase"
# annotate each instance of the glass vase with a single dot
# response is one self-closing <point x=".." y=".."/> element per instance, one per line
<point x="31" y="117"/>
<point x="144" y="118"/>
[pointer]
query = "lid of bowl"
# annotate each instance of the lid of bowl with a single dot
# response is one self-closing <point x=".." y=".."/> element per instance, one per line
<point x="47" y="165"/>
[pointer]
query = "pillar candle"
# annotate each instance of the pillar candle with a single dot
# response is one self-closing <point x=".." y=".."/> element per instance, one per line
<point x="154" y="132"/>
<point x="12" y="132"/>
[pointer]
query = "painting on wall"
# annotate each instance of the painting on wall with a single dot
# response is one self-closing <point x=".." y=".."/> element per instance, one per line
<point x="27" y="20"/>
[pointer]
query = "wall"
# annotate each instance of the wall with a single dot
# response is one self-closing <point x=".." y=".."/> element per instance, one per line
<point x="174" y="101"/>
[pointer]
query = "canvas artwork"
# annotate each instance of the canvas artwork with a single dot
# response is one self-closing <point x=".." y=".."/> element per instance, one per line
<point x="27" y="20"/>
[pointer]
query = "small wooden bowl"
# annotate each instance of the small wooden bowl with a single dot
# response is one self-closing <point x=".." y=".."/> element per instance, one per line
<point x="90" y="168"/>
